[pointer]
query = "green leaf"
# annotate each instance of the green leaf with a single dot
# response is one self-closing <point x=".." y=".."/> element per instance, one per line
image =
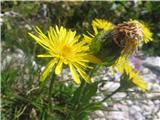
<point x="78" y="94"/>
<point x="93" y="107"/>
<point x="89" y="91"/>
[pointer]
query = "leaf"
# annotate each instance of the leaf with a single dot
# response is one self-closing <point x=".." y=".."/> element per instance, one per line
<point x="89" y="91"/>
<point x="77" y="94"/>
<point x="93" y="107"/>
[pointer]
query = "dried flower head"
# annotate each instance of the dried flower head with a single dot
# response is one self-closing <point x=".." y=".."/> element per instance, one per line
<point x="130" y="35"/>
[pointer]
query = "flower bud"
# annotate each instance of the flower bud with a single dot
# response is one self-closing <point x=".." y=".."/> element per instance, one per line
<point x="105" y="48"/>
<point x="123" y="39"/>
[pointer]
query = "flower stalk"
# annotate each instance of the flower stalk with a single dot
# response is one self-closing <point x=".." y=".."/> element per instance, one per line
<point x="50" y="91"/>
<point x="114" y="92"/>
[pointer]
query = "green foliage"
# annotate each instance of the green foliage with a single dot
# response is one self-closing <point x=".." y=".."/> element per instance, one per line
<point x="81" y="103"/>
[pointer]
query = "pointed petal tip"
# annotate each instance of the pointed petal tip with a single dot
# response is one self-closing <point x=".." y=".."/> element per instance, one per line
<point x="59" y="67"/>
<point x="74" y="74"/>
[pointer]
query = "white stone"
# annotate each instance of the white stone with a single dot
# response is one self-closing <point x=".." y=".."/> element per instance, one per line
<point x="120" y="107"/>
<point x="105" y="104"/>
<point x="102" y="119"/>
<point x="139" y="116"/>
<point x="116" y="115"/>
<point x="136" y="108"/>
<point x="145" y="71"/>
<point x="157" y="102"/>
<point x="150" y="77"/>
<point x="42" y="68"/>
<point x="5" y="62"/>
<point x="156" y="87"/>
<point x="158" y="115"/>
<point x="110" y="86"/>
<point x="35" y="65"/>
<point x="99" y="113"/>
<point x="119" y="95"/>
<point x="154" y="61"/>
<point x="129" y="102"/>
<point x="147" y="109"/>
<point x="98" y="98"/>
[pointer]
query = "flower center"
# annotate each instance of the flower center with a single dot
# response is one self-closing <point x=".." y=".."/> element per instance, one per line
<point x="66" y="51"/>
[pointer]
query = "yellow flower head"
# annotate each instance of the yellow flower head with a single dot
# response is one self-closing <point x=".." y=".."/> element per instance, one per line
<point x="147" y="34"/>
<point x="98" y="25"/>
<point x="101" y="24"/>
<point x="124" y="66"/>
<point x="130" y="35"/>
<point x="64" y="47"/>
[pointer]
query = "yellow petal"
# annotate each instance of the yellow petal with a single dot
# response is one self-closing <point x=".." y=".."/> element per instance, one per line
<point x="74" y="74"/>
<point x="44" y="55"/>
<point x="87" y="38"/>
<point x="59" y="67"/>
<point x="101" y="24"/>
<point x="83" y="65"/>
<point x="93" y="59"/>
<point x="147" y="33"/>
<point x="43" y="38"/>
<point x="38" y="40"/>
<point x="140" y="83"/>
<point x="95" y="30"/>
<point x="84" y="75"/>
<point x="47" y="69"/>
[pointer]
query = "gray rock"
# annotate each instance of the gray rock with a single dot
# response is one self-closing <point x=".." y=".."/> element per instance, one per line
<point x="153" y="63"/>
<point x="117" y="115"/>
<point x="110" y="86"/>
<point x="119" y="96"/>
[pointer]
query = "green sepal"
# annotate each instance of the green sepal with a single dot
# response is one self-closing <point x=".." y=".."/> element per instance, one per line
<point x="105" y="48"/>
<point x="125" y="82"/>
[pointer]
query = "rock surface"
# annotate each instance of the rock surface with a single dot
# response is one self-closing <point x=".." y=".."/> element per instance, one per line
<point x="135" y="105"/>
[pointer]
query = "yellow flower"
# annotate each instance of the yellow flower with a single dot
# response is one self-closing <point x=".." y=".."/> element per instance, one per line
<point x="147" y="34"/>
<point x="124" y="66"/>
<point x="101" y="24"/>
<point x="98" y="25"/>
<point x="128" y="36"/>
<point x="64" y="48"/>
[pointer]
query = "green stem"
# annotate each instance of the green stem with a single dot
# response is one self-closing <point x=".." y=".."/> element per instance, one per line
<point x="50" y="92"/>
<point x="108" y="96"/>
<point x="91" y="72"/>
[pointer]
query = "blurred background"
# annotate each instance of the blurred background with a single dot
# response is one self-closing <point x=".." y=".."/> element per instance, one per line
<point x="20" y="67"/>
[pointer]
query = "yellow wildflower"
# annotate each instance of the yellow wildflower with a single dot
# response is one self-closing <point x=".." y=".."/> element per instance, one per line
<point x="64" y="47"/>
<point x="98" y="25"/>
<point x="147" y="34"/>
<point x="124" y="66"/>
<point x="101" y="24"/>
<point x="126" y="37"/>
